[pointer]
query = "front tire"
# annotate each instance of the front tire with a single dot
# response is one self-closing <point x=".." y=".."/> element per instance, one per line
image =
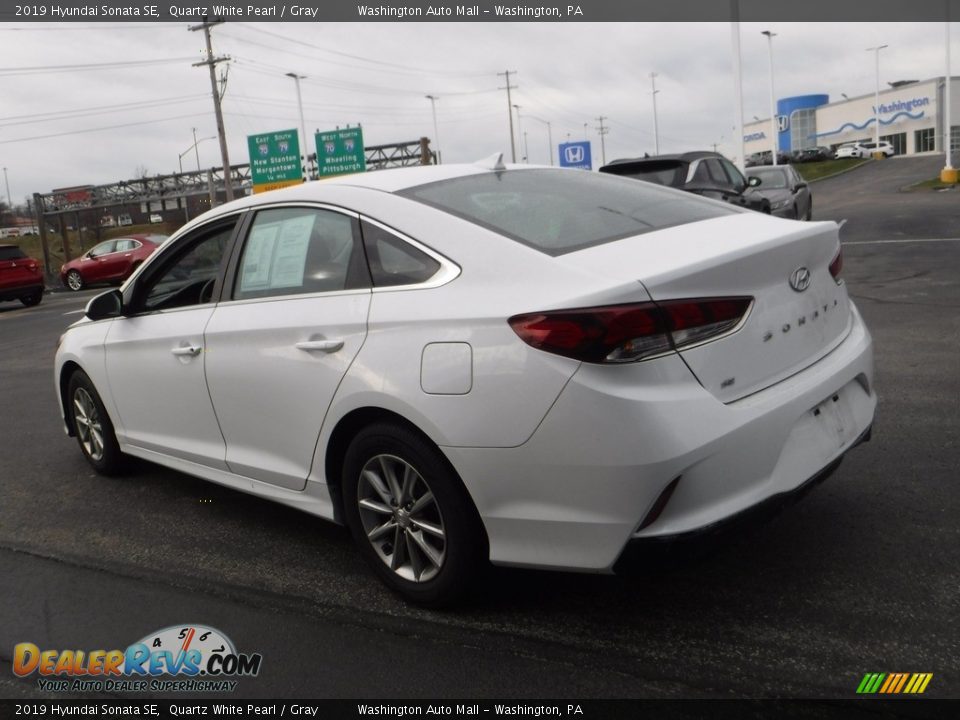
<point x="92" y="426"/>
<point x="411" y="516"/>
<point x="74" y="281"/>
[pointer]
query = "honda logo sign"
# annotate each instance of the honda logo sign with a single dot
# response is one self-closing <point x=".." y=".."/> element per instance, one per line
<point x="576" y="155"/>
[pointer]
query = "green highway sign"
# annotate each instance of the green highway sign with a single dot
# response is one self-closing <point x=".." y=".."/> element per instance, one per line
<point x="340" y="152"/>
<point x="274" y="160"/>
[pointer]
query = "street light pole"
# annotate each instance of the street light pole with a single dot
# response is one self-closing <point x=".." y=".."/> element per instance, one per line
<point x="303" y="125"/>
<point x="194" y="147"/>
<point x="6" y="182"/>
<point x="948" y="174"/>
<point x="656" y="132"/>
<point x="773" y="101"/>
<point x="876" y="97"/>
<point x="519" y="127"/>
<point x="436" y="133"/>
<point x="737" y="82"/>
<point x="549" y="134"/>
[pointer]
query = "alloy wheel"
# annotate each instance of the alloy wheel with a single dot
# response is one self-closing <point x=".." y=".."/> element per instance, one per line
<point x="88" y="425"/>
<point x="401" y="518"/>
<point x="74" y="281"/>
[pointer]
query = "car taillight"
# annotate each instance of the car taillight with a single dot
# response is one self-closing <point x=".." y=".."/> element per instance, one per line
<point x="628" y="333"/>
<point x="836" y="265"/>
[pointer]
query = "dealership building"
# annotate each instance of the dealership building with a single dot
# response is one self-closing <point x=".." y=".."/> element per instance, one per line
<point x="910" y="113"/>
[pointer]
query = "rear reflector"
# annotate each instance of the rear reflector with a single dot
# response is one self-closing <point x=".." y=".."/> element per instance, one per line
<point x="628" y="333"/>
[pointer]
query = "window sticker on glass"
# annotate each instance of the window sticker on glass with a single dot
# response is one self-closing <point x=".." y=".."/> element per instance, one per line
<point x="290" y="256"/>
<point x="258" y="256"/>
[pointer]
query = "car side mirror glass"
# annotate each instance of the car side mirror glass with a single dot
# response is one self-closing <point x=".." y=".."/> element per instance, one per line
<point x="754" y="181"/>
<point x="107" y="305"/>
<point x="801" y="185"/>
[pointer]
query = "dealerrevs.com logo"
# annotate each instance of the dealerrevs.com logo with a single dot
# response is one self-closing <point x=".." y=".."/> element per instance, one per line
<point x="200" y="658"/>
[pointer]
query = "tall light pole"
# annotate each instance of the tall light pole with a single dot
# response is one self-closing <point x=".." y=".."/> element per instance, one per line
<point x="519" y="125"/>
<point x="510" y="106"/>
<point x="737" y="82"/>
<point x="656" y="132"/>
<point x="7" y="183"/>
<point x="948" y="174"/>
<point x="303" y="125"/>
<point x="549" y="134"/>
<point x="436" y="133"/>
<point x="876" y="98"/>
<point x="774" y="130"/>
<point x="194" y="148"/>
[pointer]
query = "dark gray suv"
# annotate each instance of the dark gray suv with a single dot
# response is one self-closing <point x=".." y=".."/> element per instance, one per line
<point x="705" y="173"/>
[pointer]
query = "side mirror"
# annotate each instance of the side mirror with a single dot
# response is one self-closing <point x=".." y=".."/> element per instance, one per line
<point x="107" y="305"/>
<point x="754" y="181"/>
<point x="801" y="185"/>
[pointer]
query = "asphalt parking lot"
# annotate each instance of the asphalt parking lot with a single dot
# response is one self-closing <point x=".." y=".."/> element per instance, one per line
<point x="861" y="576"/>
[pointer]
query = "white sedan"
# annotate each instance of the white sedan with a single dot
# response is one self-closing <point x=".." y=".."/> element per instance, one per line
<point x="532" y="366"/>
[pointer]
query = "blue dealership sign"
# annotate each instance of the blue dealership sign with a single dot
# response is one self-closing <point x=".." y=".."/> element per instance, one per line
<point x="576" y="155"/>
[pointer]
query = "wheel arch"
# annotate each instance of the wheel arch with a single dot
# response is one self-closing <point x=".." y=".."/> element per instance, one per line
<point x="66" y="372"/>
<point x="347" y="428"/>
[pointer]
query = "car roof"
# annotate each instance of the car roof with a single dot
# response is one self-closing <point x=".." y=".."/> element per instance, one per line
<point x="684" y="157"/>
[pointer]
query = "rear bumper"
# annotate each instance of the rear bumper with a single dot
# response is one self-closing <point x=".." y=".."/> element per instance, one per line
<point x="22" y="291"/>
<point x="576" y="493"/>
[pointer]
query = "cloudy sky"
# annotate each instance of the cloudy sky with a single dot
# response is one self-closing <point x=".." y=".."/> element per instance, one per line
<point x="92" y="104"/>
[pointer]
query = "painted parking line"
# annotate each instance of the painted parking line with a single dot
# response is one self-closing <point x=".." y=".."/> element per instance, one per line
<point x="75" y="312"/>
<point x="842" y="223"/>
<point x="901" y="241"/>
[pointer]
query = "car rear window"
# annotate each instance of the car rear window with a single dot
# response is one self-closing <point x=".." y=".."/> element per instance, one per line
<point x="662" y="172"/>
<point x="11" y="253"/>
<point x="560" y="211"/>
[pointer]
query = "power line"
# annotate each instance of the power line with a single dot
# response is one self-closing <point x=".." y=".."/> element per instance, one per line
<point x="40" y="69"/>
<point x="100" y="110"/>
<point x="98" y="129"/>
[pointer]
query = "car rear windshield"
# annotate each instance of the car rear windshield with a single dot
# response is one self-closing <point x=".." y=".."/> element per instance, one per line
<point x="11" y="253"/>
<point x="560" y="211"/>
<point x="662" y="172"/>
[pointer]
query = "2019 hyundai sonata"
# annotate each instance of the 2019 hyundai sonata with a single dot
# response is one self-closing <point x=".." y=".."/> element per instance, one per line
<point x="464" y="363"/>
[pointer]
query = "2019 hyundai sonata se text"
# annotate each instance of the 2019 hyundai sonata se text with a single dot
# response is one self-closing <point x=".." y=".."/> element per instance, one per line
<point x="463" y="363"/>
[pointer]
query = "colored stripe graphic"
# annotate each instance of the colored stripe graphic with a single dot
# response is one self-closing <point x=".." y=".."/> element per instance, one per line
<point x="894" y="683"/>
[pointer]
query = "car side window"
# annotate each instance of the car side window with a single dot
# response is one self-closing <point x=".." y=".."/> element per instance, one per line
<point x="290" y="251"/>
<point x="701" y="175"/>
<point x="715" y="170"/>
<point x="737" y="179"/>
<point x="127" y="245"/>
<point x="393" y="261"/>
<point x="187" y="277"/>
<point x="103" y="248"/>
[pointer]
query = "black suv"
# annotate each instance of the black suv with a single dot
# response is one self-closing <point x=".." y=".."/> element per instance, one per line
<point x="705" y="173"/>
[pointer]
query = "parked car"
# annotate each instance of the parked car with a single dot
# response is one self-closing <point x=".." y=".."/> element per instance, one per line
<point x="21" y="277"/>
<point x="788" y="193"/>
<point x="849" y="150"/>
<point x="867" y="149"/>
<point x="766" y="158"/>
<point x="529" y="365"/>
<point x="813" y="154"/>
<point x="109" y="261"/>
<point x="124" y="220"/>
<point x="108" y="221"/>
<point x="704" y="173"/>
<point x="156" y="218"/>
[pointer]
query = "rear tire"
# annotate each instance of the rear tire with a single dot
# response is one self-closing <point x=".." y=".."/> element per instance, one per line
<point x="92" y="426"/>
<point x="411" y="516"/>
<point x="31" y="300"/>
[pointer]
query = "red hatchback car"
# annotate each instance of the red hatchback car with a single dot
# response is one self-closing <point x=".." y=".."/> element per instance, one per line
<point x="21" y="277"/>
<point x="110" y="261"/>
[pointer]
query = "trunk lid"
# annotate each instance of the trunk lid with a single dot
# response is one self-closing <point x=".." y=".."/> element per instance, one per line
<point x="785" y="330"/>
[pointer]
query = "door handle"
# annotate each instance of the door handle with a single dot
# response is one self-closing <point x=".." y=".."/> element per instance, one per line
<point x="189" y="350"/>
<point x="327" y="346"/>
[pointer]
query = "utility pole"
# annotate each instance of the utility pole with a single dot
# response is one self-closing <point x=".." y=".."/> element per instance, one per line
<point x="774" y="125"/>
<point x="7" y="183"/>
<point x="513" y="145"/>
<point x="211" y="62"/>
<point x="196" y="150"/>
<point x="520" y="129"/>
<point x="603" y="131"/>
